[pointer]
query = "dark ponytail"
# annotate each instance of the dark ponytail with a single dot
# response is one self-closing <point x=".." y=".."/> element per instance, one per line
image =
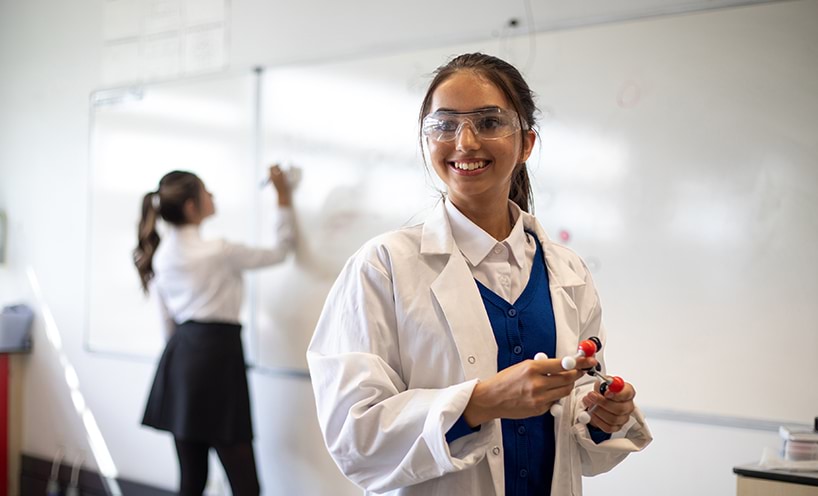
<point x="168" y="202"/>
<point x="520" y="192"/>
<point x="147" y="240"/>
<point x="509" y="80"/>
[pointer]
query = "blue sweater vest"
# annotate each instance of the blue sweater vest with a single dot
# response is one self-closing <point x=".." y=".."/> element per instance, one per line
<point x="522" y="330"/>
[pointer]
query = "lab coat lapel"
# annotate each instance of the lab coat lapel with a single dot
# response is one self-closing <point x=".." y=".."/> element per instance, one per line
<point x="459" y="300"/>
<point x="561" y="281"/>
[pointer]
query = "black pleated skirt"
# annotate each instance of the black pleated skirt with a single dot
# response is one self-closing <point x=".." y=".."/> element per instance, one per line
<point x="200" y="390"/>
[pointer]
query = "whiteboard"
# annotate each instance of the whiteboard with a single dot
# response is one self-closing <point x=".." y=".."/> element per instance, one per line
<point x="137" y="135"/>
<point x="677" y="156"/>
<point x="362" y="176"/>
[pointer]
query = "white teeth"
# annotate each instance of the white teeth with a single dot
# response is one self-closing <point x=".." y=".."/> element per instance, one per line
<point x="470" y="166"/>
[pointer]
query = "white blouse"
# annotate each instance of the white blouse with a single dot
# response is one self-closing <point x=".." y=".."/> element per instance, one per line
<point x="504" y="267"/>
<point x="197" y="279"/>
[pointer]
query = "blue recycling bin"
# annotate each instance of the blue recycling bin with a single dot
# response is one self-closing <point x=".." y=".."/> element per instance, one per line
<point x="15" y="329"/>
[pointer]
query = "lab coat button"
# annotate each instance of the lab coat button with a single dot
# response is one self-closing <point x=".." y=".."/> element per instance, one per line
<point x="523" y="473"/>
<point x="512" y="312"/>
<point x="518" y="349"/>
<point x="496" y="450"/>
<point x="472" y="359"/>
<point x="521" y="430"/>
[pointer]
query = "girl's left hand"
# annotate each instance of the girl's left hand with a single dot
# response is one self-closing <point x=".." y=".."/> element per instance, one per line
<point x="613" y="410"/>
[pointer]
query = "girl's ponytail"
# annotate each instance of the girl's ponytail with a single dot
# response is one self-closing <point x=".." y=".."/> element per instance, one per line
<point x="520" y="192"/>
<point x="148" y="239"/>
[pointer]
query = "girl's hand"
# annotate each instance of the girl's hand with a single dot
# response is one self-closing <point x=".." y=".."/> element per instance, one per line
<point x="279" y="181"/>
<point x="523" y="390"/>
<point x="613" y="410"/>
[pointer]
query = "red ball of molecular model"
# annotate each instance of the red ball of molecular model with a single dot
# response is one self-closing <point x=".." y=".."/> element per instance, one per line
<point x="586" y="349"/>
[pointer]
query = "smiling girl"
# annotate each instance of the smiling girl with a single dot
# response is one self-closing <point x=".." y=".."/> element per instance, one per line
<point x="422" y="361"/>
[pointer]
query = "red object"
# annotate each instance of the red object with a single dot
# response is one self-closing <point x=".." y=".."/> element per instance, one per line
<point x="588" y="347"/>
<point x="4" y="424"/>
<point x="565" y="235"/>
<point x="617" y="384"/>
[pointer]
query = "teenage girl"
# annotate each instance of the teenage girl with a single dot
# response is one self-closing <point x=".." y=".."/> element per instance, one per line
<point x="200" y="392"/>
<point x="422" y="362"/>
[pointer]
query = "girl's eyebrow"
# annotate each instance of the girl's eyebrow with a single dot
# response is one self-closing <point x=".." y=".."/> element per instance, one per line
<point x="452" y="111"/>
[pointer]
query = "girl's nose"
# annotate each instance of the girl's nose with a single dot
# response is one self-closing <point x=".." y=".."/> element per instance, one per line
<point x="466" y="138"/>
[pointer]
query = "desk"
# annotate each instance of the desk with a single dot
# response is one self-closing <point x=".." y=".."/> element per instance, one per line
<point x="753" y="480"/>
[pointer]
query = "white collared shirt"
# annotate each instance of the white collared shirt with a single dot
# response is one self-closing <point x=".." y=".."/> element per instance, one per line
<point x="504" y="267"/>
<point x="197" y="279"/>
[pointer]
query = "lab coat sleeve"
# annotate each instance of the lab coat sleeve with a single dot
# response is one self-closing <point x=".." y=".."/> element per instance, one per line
<point x="243" y="257"/>
<point x="381" y="435"/>
<point x="634" y="435"/>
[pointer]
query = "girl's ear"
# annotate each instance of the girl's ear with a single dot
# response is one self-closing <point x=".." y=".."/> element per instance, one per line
<point x="190" y="211"/>
<point x="529" y="137"/>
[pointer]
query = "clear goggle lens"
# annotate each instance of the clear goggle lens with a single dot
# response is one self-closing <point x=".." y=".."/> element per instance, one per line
<point x="489" y="124"/>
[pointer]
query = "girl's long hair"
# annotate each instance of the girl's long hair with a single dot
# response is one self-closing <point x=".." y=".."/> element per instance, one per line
<point x="167" y="202"/>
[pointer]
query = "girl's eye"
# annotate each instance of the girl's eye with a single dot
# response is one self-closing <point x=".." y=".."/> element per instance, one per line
<point x="490" y="123"/>
<point x="447" y="125"/>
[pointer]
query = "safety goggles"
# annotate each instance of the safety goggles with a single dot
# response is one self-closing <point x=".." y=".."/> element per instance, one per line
<point x="487" y="124"/>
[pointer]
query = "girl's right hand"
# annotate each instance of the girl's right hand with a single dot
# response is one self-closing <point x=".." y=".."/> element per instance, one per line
<point x="524" y="390"/>
<point x="279" y="181"/>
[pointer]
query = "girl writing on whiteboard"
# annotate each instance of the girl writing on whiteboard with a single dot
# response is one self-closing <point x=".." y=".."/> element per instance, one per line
<point x="422" y="360"/>
<point x="200" y="392"/>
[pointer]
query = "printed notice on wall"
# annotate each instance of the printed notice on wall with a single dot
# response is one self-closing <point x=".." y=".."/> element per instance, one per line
<point x="158" y="40"/>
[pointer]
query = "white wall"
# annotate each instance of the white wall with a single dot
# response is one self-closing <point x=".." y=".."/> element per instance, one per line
<point x="50" y="56"/>
<point x="685" y="459"/>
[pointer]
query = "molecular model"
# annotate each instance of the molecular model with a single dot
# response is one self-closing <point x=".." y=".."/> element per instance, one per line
<point x="587" y="348"/>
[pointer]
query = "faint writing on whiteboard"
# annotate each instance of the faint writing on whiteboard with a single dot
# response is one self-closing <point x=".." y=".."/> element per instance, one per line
<point x="629" y="94"/>
<point x="155" y="40"/>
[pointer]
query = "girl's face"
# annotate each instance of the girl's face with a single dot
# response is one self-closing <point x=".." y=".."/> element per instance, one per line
<point x="206" y="205"/>
<point x="475" y="169"/>
<point x="194" y="213"/>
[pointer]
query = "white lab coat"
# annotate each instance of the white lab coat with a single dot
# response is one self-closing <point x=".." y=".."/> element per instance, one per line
<point x="403" y="339"/>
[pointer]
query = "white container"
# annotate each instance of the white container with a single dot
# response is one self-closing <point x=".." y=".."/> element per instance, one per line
<point x="798" y="451"/>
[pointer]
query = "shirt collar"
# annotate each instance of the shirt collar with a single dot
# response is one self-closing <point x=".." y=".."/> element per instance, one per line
<point x="184" y="231"/>
<point x="476" y="244"/>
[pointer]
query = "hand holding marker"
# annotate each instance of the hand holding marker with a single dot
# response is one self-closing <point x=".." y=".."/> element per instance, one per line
<point x="290" y="172"/>
<point x="587" y="349"/>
